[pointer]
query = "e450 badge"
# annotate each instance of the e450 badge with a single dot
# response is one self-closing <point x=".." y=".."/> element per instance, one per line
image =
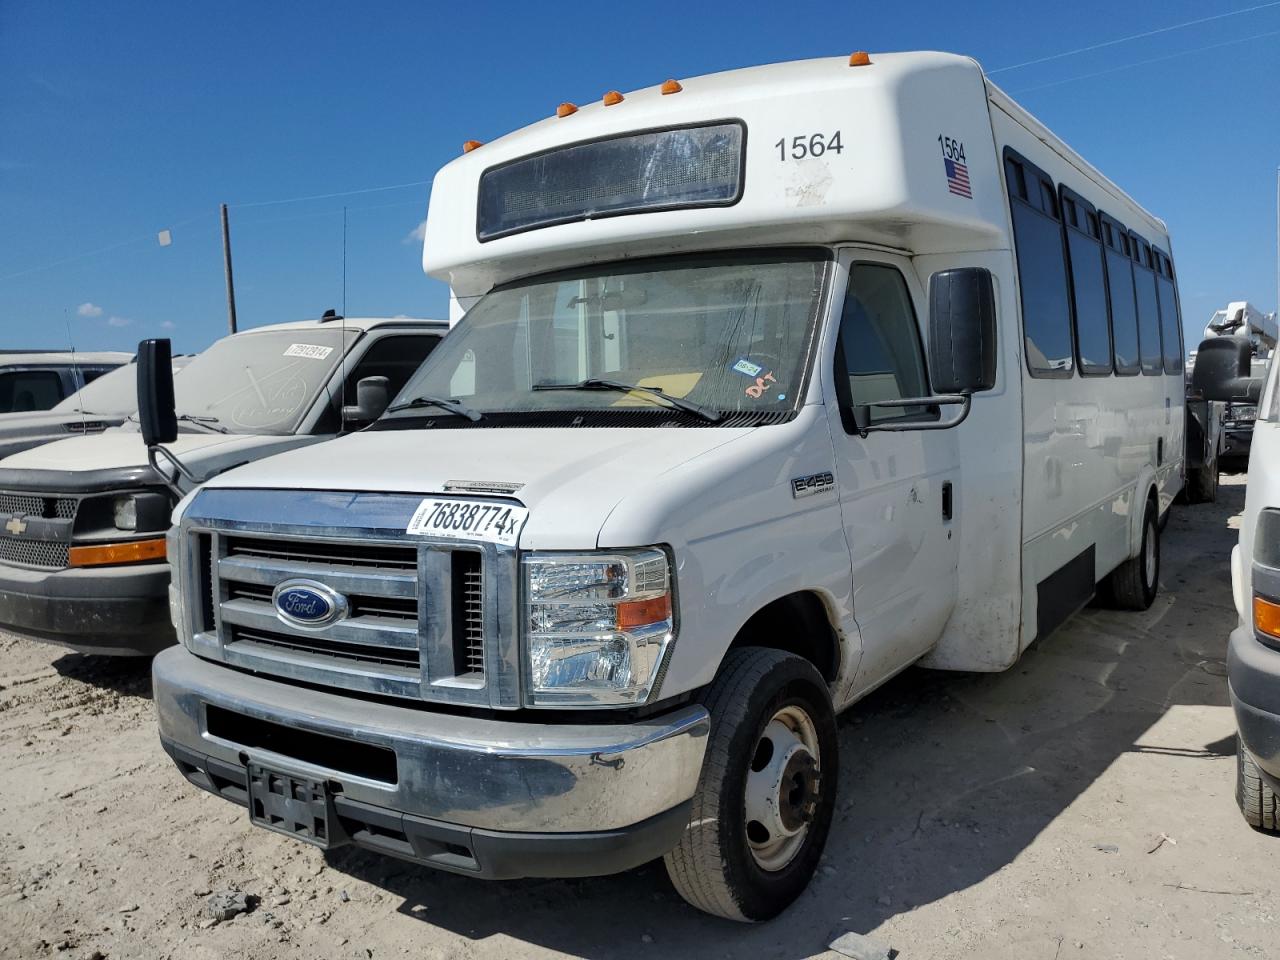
<point x="814" y="483"/>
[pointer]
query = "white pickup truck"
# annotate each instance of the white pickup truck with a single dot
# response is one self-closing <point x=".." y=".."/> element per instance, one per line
<point x="82" y="520"/>
<point x="1224" y="372"/>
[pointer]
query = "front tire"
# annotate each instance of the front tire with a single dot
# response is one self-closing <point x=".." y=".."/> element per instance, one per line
<point x="1258" y="802"/>
<point x="766" y="795"/>
<point x="1133" y="585"/>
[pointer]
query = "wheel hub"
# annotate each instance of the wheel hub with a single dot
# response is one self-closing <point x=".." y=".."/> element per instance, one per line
<point x="783" y="786"/>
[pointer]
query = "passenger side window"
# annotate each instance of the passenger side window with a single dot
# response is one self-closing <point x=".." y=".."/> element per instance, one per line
<point x="1170" y="315"/>
<point x="1124" y="313"/>
<point x="24" y="390"/>
<point x="1144" y="284"/>
<point x="1042" y="269"/>
<point x="394" y="357"/>
<point x="878" y="353"/>
<point x="1088" y="286"/>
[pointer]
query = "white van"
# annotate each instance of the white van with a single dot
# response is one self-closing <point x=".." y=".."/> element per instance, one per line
<point x="82" y="520"/>
<point x="106" y="402"/>
<point x="1226" y="371"/>
<point x="681" y="484"/>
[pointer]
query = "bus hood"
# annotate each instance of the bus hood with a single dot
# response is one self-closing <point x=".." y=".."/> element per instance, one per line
<point x="571" y="479"/>
<point x="60" y="465"/>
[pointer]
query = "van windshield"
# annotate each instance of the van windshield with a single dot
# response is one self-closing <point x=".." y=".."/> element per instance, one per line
<point x="726" y="335"/>
<point x="260" y="383"/>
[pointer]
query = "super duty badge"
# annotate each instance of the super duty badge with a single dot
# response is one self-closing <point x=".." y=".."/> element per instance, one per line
<point x="814" y="483"/>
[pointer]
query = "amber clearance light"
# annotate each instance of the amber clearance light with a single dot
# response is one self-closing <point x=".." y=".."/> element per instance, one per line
<point x="1266" y="616"/>
<point x="112" y="553"/>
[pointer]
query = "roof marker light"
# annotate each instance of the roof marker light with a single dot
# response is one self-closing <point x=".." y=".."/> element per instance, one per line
<point x="566" y="110"/>
<point x="471" y="145"/>
<point x="612" y="97"/>
<point x="671" y="86"/>
<point x="859" y="58"/>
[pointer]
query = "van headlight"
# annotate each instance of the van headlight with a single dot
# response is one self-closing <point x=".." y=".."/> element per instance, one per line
<point x="597" y="626"/>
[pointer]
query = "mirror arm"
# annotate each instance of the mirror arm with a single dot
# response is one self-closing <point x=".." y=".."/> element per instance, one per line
<point x="964" y="401"/>
<point x="155" y="451"/>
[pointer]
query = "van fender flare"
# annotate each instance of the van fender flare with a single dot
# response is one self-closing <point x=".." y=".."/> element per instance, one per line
<point x="1147" y="485"/>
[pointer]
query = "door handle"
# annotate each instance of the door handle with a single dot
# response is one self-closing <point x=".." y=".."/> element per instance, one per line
<point x="947" y="500"/>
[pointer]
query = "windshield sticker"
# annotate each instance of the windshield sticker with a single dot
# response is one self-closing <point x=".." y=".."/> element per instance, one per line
<point x="311" y="351"/>
<point x="761" y="386"/>
<point x="747" y="368"/>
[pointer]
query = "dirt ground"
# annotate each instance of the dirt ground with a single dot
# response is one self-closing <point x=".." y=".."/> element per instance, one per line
<point x="1078" y="806"/>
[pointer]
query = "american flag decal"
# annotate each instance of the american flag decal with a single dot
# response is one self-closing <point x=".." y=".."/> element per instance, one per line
<point x="958" y="178"/>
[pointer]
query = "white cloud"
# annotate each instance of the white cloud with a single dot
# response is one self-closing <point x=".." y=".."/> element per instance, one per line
<point x="418" y="234"/>
<point x="167" y="324"/>
<point x="87" y="309"/>
<point x="118" y="321"/>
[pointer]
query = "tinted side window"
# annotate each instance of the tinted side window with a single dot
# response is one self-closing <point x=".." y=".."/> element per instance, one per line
<point x="393" y="357"/>
<point x="878" y="354"/>
<point x="1042" y="270"/>
<point x="22" y="390"/>
<point x="1144" y="283"/>
<point x="1170" y="316"/>
<point x="1124" y="313"/>
<point x="1088" y="286"/>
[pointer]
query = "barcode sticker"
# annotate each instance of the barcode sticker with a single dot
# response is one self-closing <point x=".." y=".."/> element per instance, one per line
<point x="311" y="351"/>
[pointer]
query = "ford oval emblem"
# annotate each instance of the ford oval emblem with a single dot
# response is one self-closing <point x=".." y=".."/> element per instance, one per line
<point x="308" y="603"/>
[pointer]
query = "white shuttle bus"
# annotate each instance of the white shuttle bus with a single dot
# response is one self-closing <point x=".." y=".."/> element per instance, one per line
<point x="767" y="384"/>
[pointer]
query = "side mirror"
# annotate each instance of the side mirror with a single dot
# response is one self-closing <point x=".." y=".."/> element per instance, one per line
<point x="155" y="393"/>
<point x="373" y="396"/>
<point x="1223" y="368"/>
<point x="962" y="331"/>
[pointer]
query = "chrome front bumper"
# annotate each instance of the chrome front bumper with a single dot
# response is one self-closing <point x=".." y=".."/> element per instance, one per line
<point x="489" y="797"/>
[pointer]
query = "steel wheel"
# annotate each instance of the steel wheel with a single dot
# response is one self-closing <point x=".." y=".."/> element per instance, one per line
<point x="782" y="788"/>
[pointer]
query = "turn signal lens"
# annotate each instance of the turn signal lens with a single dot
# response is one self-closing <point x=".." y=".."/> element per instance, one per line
<point x="612" y="97"/>
<point x="671" y="86"/>
<point x="1266" y="617"/>
<point x="471" y="145"/>
<point x="642" y="613"/>
<point x="566" y="110"/>
<point x="113" y="553"/>
<point x="859" y="58"/>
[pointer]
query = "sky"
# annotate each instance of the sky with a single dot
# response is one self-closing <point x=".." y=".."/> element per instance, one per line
<point x="119" y="120"/>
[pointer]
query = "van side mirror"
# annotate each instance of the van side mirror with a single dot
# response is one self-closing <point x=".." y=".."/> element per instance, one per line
<point x="1223" y="368"/>
<point x="373" y="395"/>
<point x="156" y="411"/>
<point x="962" y="331"/>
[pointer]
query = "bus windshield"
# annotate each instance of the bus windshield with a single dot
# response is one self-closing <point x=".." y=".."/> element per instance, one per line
<point x="722" y="334"/>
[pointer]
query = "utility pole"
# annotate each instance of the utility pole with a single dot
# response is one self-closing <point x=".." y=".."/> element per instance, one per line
<point x="226" y="260"/>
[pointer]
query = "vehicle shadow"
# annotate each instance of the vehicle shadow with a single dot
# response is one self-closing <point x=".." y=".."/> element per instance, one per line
<point x="127" y="676"/>
<point x="945" y="779"/>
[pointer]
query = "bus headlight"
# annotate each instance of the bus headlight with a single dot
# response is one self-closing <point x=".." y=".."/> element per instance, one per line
<point x="597" y="626"/>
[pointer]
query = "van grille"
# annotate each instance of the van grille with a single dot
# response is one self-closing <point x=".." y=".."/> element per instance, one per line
<point x="33" y="553"/>
<point x="25" y="550"/>
<point x="416" y="620"/>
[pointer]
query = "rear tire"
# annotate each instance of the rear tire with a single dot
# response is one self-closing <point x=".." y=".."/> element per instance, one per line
<point x="1258" y="802"/>
<point x="766" y="795"/>
<point x="1133" y="585"/>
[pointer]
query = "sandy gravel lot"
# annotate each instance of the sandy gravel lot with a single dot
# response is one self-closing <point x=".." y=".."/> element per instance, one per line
<point x="1078" y="806"/>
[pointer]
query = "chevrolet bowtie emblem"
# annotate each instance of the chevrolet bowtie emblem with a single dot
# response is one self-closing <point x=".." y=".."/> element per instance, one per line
<point x="16" y="526"/>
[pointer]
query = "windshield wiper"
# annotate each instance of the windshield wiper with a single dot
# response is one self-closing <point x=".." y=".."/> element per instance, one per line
<point x="598" y="383"/>
<point x="209" y="423"/>
<point x="452" y="406"/>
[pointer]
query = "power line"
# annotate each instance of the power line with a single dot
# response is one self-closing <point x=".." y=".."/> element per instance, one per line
<point x="1138" y="36"/>
<point x="1143" y="63"/>
<point x="343" y="193"/>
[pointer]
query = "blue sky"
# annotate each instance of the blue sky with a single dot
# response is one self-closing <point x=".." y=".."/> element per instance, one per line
<point x="118" y="120"/>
